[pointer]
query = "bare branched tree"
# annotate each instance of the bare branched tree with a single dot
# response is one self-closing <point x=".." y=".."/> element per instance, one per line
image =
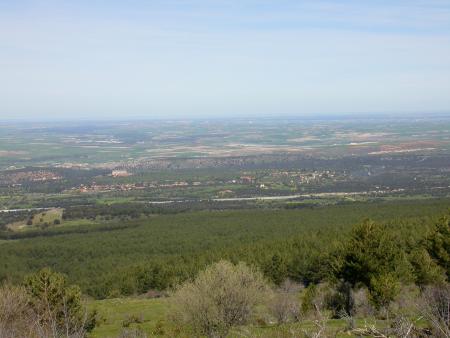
<point x="14" y="312"/>
<point x="320" y="325"/>
<point x="369" y="331"/>
<point x="404" y="327"/>
<point x="435" y="307"/>
<point x="284" y="305"/>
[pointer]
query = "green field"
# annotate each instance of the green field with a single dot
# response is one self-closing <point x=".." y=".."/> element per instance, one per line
<point x="151" y="316"/>
<point x="113" y="313"/>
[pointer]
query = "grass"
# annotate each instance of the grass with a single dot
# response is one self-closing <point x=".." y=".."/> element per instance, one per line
<point x="48" y="217"/>
<point x="151" y="317"/>
<point x="45" y="218"/>
<point x="114" y="312"/>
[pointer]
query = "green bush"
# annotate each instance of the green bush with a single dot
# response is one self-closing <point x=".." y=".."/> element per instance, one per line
<point x="58" y="304"/>
<point x="222" y="296"/>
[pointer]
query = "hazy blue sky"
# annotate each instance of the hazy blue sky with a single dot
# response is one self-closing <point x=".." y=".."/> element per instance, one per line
<point x="89" y="58"/>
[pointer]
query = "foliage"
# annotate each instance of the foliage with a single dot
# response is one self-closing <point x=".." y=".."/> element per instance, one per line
<point x="222" y="296"/>
<point x="439" y="244"/>
<point x="435" y="306"/>
<point x="131" y="256"/>
<point x="383" y="289"/>
<point x="285" y="303"/>
<point x="372" y="257"/>
<point x="371" y="250"/>
<point x="15" y="315"/>
<point x="341" y="300"/>
<point x="57" y="303"/>
<point x="276" y="269"/>
<point x="426" y="270"/>
<point x="46" y="306"/>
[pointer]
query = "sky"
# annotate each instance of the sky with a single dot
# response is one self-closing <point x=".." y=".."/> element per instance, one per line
<point x="194" y="58"/>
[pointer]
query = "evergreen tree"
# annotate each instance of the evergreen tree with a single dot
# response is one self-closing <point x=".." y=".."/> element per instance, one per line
<point x="439" y="244"/>
<point x="373" y="257"/>
<point x="58" y="303"/>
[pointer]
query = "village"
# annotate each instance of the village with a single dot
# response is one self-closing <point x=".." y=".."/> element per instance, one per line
<point x="267" y="179"/>
<point x="16" y="178"/>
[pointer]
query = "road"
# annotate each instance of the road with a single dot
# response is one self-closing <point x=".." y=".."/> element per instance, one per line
<point x="256" y="198"/>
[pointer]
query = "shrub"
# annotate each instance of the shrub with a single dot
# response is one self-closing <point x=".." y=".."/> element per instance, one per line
<point x="15" y="316"/>
<point x="383" y="290"/>
<point x="363" y="308"/>
<point x="159" y="328"/>
<point x="340" y="300"/>
<point x="222" y="296"/>
<point x="316" y="300"/>
<point x="405" y="303"/>
<point x="285" y="305"/>
<point x="435" y="307"/>
<point x="132" y="319"/>
<point x="57" y="304"/>
<point x="45" y="307"/>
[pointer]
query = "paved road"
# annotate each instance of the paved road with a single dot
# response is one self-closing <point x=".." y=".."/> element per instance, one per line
<point x="284" y="197"/>
<point x="257" y="198"/>
<point x="18" y="210"/>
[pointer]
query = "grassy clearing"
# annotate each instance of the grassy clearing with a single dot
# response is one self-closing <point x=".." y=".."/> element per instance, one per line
<point x="48" y="217"/>
<point x="152" y="317"/>
<point x="43" y="219"/>
<point x="115" y="312"/>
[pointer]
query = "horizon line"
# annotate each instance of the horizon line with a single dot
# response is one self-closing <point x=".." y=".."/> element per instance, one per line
<point x="308" y="116"/>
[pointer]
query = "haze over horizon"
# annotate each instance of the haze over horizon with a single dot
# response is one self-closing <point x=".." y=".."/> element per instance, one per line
<point x="196" y="58"/>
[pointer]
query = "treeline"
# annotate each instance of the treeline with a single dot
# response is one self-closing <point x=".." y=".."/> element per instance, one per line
<point x="11" y="217"/>
<point x="109" y="214"/>
<point x="380" y="257"/>
<point x="304" y="245"/>
<point x="133" y="210"/>
<point x="107" y="217"/>
<point x="121" y="210"/>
